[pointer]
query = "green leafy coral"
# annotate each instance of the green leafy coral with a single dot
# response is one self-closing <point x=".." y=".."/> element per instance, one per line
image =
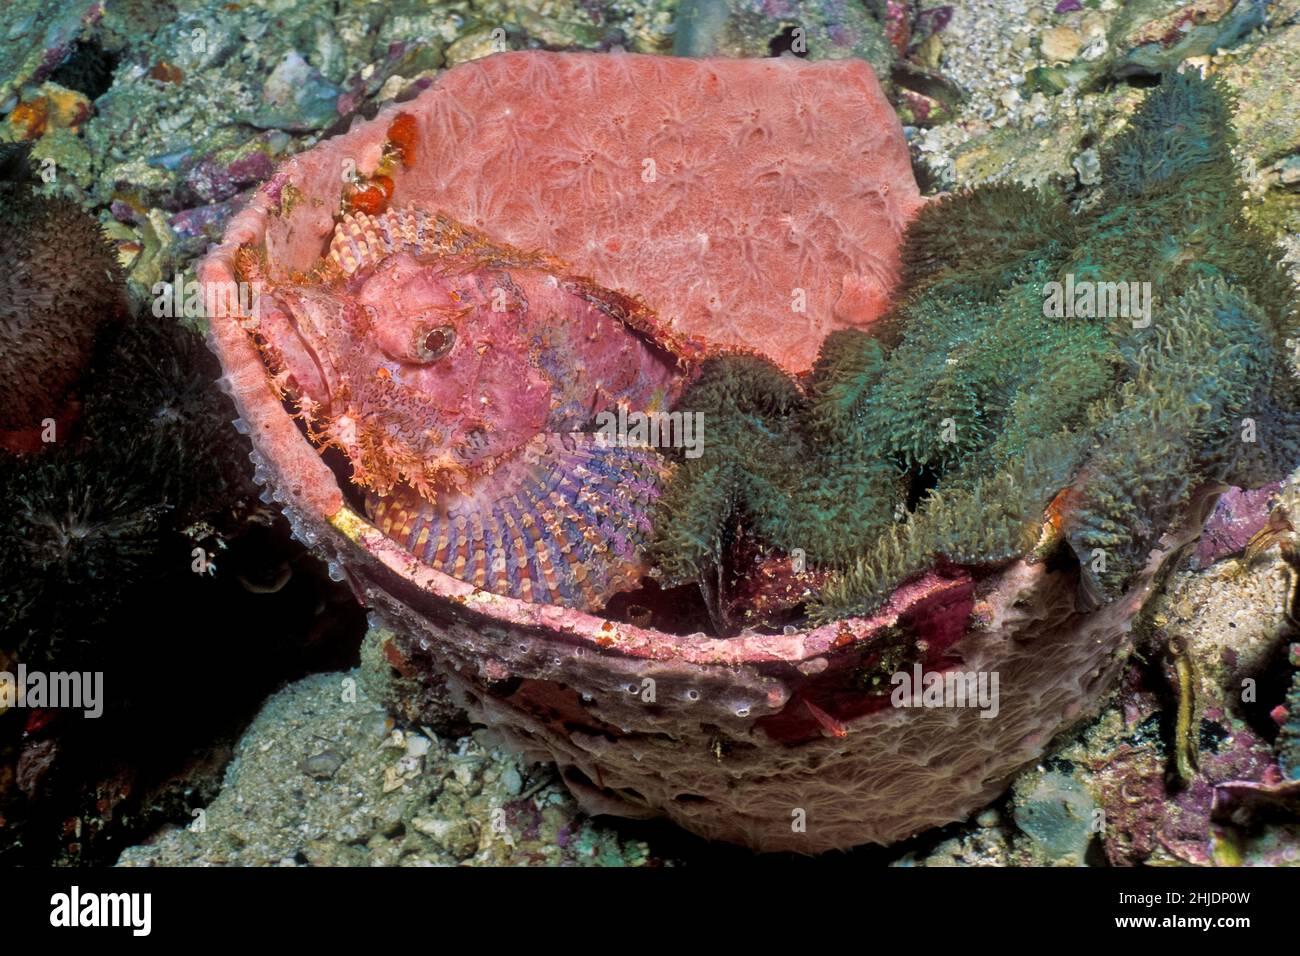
<point x="945" y="433"/>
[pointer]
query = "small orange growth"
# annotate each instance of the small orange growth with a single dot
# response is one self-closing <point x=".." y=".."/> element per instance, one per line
<point x="844" y="637"/>
<point x="165" y="72"/>
<point x="401" y="136"/>
<point x="370" y="200"/>
<point x="31" y="118"/>
<point x="127" y="251"/>
<point x="373" y="199"/>
<point x="605" y="639"/>
<point x="1059" y="506"/>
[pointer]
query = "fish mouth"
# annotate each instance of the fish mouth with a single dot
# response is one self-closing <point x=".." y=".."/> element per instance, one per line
<point x="292" y="339"/>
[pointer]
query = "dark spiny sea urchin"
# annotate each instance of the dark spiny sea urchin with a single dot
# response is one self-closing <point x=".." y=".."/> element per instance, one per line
<point x="80" y="528"/>
<point x="60" y="287"/>
<point x="974" y="406"/>
<point x="107" y="507"/>
<point x="150" y="451"/>
<point x="154" y="380"/>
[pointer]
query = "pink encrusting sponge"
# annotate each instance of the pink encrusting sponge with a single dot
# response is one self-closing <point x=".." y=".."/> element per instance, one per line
<point x="752" y="202"/>
<point x="739" y="199"/>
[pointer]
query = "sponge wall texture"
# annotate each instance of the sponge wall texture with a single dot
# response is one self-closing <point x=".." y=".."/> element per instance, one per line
<point x="750" y="202"/>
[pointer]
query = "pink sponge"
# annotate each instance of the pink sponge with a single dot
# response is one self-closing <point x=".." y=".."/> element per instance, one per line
<point x="751" y="202"/>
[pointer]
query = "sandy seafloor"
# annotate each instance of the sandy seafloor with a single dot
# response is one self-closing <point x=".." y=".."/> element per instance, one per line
<point x="1025" y="90"/>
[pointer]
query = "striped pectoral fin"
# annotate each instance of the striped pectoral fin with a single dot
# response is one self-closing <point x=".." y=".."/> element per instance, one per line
<point x="565" y="522"/>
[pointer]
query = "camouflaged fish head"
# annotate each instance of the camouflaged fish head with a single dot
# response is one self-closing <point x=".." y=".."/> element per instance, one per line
<point x="462" y="379"/>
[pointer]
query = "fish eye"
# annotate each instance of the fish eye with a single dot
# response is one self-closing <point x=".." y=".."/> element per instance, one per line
<point x="433" y="344"/>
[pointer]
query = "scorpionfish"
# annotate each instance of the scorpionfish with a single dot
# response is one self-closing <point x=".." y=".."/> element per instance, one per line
<point x="461" y="378"/>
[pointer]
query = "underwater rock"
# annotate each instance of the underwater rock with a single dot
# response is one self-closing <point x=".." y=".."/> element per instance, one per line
<point x="495" y="26"/>
<point x="1238" y="516"/>
<point x="1288" y="738"/>
<point x="322" y="777"/>
<point x="1151" y="38"/>
<point x="1231" y="617"/>
<point x="48" y="108"/>
<point x="1047" y="79"/>
<point x="207" y="68"/>
<point x="216" y="176"/>
<point x="295" y="97"/>
<point x="205" y="222"/>
<point x="917" y="109"/>
<point x="1148" y="818"/>
<point x="1037" y="139"/>
<point x="1257" y="824"/>
<point x="1267" y="119"/>
<point x="1058" y="813"/>
<point x="407" y="692"/>
<point x="1060" y="44"/>
<point x="1034" y="152"/>
<point x="40" y="35"/>
<point x="824" y="29"/>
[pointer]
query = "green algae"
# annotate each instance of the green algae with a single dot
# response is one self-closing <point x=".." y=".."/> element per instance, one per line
<point x="944" y="434"/>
